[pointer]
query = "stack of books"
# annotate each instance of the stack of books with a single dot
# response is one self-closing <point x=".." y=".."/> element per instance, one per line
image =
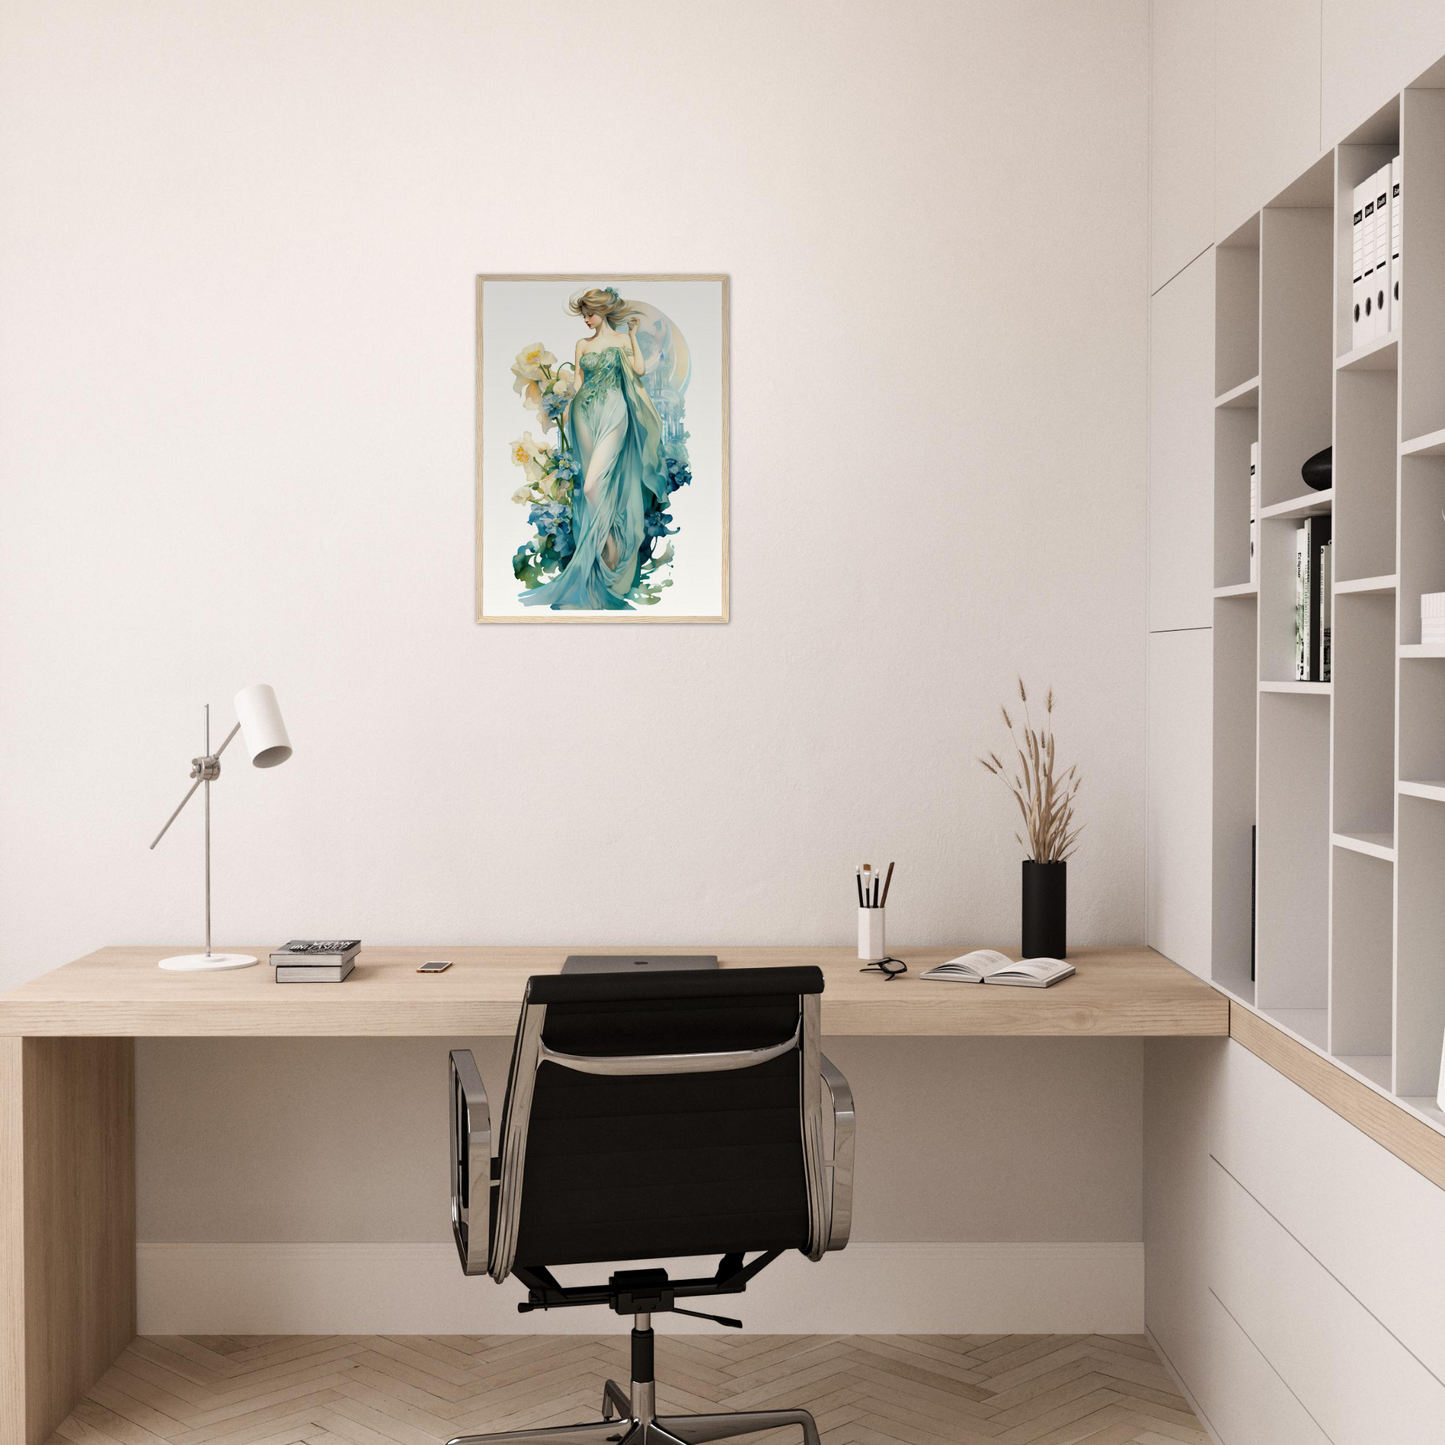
<point x="315" y="960"/>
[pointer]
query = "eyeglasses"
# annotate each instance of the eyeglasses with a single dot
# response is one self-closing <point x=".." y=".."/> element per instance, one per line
<point x="890" y="968"/>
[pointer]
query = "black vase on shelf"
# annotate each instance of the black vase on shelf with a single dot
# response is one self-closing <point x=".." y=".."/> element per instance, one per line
<point x="1046" y="909"/>
<point x="1319" y="471"/>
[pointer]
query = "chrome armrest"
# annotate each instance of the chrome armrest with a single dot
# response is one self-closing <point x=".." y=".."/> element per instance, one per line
<point x="471" y="1126"/>
<point x="840" y="1166"/>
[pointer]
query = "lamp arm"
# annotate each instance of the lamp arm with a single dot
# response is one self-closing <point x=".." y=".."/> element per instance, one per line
<point x="177" y="813"/>
<point x="227" y="743"/>
<point x="200" y="771"/>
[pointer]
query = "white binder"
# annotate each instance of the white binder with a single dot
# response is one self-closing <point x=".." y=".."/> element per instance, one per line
<point x="1396" y="225"/>
<point x="1357" y="268"/>
<point x="1382" y="251"/>
<point x="1254" y="513"/>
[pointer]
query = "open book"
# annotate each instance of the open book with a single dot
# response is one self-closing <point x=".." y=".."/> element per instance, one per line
<point x="987" y="965"/>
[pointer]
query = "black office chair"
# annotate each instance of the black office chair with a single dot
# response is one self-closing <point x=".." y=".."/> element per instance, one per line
<point x="650" y="1117"/>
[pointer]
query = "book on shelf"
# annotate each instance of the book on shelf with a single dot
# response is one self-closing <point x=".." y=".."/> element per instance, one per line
<point x="1326" y="606"/>
<point x="1310" y="612"/>
<point x="1301" y="606"/>
<point x="1254" y="514"/>
<point x="988" y="965"/>
<point x="314" y="972"/>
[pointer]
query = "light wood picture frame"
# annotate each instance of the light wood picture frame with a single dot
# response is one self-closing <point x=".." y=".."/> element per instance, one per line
<point x="602" y="448"/>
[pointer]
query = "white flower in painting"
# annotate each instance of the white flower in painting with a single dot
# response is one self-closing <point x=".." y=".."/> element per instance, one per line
<point x="531" y="456"/>
<point x="666" y="556"/>
<point x="530" y="362"/>
<point x="529" y="391"/>
<point x="565" y="383"/>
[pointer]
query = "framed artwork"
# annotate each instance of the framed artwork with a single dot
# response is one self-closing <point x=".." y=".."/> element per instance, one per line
<point x="602" y="451"/>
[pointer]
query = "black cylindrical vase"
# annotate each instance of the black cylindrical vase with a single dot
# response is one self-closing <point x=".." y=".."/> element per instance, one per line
<point x="1046" y="909"/>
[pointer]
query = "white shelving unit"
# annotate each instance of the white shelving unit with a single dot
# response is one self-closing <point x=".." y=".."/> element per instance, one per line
<point x="1344" y="781"/>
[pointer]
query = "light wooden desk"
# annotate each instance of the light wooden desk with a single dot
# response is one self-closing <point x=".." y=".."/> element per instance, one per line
<point x="67" y="1090"/>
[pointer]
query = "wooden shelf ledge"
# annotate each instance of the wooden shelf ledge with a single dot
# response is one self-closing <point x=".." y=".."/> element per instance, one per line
<point x="1390" y="1120"/>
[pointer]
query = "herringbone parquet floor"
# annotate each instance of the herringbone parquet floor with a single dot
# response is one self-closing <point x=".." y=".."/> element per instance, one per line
<point x="418" y="1390"/>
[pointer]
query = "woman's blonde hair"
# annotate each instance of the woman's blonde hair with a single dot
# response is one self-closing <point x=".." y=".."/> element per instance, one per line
<point x="603" y="302"/>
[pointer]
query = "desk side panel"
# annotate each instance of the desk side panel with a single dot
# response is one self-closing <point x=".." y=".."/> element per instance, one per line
<point x="12" y="1245"/>
<point x="77" y="1152"/>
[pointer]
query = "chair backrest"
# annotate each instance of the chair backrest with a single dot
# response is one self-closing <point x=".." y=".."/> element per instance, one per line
<point x="662" y="1115"/>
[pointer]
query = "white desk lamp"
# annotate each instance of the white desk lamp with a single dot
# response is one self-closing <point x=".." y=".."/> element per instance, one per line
<point x="258" y="720"/>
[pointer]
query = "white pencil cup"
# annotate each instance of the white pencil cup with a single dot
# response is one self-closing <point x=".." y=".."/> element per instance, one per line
<point x="871" y="946"/>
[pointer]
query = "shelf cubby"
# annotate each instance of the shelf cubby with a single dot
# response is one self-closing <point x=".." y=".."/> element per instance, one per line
<point x="1236" y="314"/>
<point x="1296" y="367"/>
<point x="1365" y="459"/>
<point x="1294" y="852"/>
<point x="1236" y="705"/>
<point x="1422" y="721"/>
<point x="1235" y="429"/>
<point x="1420" y="963"/>
<point x="1422" y="537"/>
<point x="1356" y="160"/>
<point x="1362" y="902"/>
<point x="1364" y="705"/>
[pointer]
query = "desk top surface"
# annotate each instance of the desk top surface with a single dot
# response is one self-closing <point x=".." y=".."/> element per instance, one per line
<point x="119" y="992"/>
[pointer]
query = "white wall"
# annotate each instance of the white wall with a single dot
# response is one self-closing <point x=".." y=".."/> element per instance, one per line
<point x="236" y="372"/>
<point x="238" y="257"/>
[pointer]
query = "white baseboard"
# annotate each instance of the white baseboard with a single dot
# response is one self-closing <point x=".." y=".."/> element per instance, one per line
<point x="306" y="1289"/>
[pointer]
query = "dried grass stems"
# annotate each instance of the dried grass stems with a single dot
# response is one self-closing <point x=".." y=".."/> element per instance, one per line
<point x="1046" y="801"/>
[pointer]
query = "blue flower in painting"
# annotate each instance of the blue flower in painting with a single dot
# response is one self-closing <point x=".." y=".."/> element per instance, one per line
<point x="656" y="525"/>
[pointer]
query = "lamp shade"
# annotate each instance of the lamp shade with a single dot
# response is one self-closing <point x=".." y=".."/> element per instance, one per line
<point x="262" y="730"/>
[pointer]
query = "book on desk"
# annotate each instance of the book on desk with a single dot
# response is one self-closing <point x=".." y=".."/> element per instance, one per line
<point x="987" y="965"/>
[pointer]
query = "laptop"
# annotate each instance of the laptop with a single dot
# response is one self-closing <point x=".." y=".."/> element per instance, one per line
<point x="637" y="962"/>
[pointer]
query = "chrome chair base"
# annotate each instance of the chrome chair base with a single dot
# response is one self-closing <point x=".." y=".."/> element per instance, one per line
<point x="642" y="1427"/>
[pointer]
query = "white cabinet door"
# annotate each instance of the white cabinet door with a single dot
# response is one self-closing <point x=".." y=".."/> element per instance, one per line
<point x="1370" y="52"/>
<point x="1181" y="450"/>
<point x="1266" y="102"/>
<point x="1178" y="901"/>
<point x="1358" y="1382"/>
<point x="1181" y="134"/>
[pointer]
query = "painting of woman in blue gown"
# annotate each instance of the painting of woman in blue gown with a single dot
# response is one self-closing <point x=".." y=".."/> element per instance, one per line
<point x="606" y="454"/>
<point x="599" y="498"/>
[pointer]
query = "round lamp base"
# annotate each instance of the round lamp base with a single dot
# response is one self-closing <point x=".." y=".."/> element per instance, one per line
<point x="207" y="962"/>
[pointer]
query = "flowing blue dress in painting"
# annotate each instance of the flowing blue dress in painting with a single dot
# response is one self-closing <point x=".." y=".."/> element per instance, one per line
<point x="614" y="435"/>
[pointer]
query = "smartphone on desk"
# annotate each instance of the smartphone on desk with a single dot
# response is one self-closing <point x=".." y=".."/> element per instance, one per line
<point x="435" y="965"/>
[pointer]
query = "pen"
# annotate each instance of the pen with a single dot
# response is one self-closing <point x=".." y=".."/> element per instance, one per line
<point x="887" y="884"/>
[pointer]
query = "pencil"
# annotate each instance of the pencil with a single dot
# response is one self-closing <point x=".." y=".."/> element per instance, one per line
<point x="887" y="883"/>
